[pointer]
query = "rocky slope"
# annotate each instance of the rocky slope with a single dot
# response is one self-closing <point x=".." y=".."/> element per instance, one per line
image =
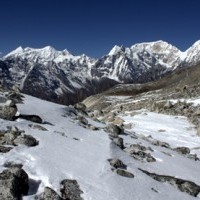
<point x="64" y="78"/>
<point x="55" y="152"/>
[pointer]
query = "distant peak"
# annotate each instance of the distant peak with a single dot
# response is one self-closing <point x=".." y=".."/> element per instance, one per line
<point x="150" y="43"/>
<point x="49" y="48"/>
<point x="66" y="52"/>
<point x="116" y="49"/>
<point x="197" y="43"/>
<point x="17" y="51"/>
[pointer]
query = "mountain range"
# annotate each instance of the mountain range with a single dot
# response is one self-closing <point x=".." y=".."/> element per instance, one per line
<point x="61" y="77"/>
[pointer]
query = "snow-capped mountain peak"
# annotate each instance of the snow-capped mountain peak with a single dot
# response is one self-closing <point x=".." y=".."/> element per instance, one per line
<point x="17" y="51"/>
<point x="45" y="54"/>
<point x="193" y="54"/>
<point x="116" y="49"/>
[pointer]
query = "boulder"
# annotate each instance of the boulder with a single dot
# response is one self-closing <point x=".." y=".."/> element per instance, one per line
<point x="182" y="150"/>
<point x="193" y="157"/>
<point x="183" y="185"/>
<point x="13" y="184"/>
<point x="8" y="110"/>
<point x="80" y="107"/>
<point x="113" y="130"/>
<point x="124" y="173"/>
<point x="118" y="121"/>
<point x="70" y="190"/>
<point x="119" y="142"/>
<point x="38" y="127"/>
<point x="161" y="144"/>
<point x="16" y="97"/>
<point x="5" y="149"/>
<point x="127" y="126"/>
<point x="117" y="163"/>
<point x="32" y="118"/>
<point x="9" y="136"/>
<point x="168" y="105"/>
<point x="27" y="140"/>
<point x="49" y="194"/>
<point x="83" y="120"/>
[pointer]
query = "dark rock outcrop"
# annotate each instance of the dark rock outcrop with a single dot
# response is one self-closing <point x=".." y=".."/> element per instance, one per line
<point x="116" y="163"/>
<point x="13" y="184"/>
<point x="8" y="110"/>
<point x="14" y="136"/>
<point x="32" y="118"/>
<point x="70" y="190"/>
<point x="119" y="142"/>
<point x="183" y="185"/>
<point x="27" y="140"/>
<point x="114" y="130"/>
<point x="182" y="150"/>
<point x="49" y="194"/>
<point x="124" y="173"/>
<point x="5" y="149"/>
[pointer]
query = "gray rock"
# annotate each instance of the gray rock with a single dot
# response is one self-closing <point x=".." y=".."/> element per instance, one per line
<point x="161" y="144"/>
<point x="38" y="127"/>
<point x="5" y="149"/>
<point x="183" y="185"/>
<point x="168" y="105"/>
<point x="94" y="128"/>
<point x="22" y="178"/>
<point x="127" y="126"/>
<point x="9" y="103"/>
<point x="124" y="173"/>
<point x="113" y="130"/>
<point x="116" y="163"/>
<point x="119" y="142"/>
<point x="8" y="112"/>
<point x="193" y="157"/>
<point x="27" y="140"/>
<point x="16" y="97"/>
<point x="32" y="118"/>
<point x="49" y="194"/>
<point x="83" y="120"/>
<point x="13" y="184"/>
<point x="9" y="136"/>
<point x="150" y="158"/>
<point x="80" y="107"/>
<point x="70" y="190"/>
<point x="182" y="150"/>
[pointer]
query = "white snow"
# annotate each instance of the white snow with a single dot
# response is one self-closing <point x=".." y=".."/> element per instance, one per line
<point x="194" y="101"/>
<point x="175" y="130"/>
<point x="114" y="50"/>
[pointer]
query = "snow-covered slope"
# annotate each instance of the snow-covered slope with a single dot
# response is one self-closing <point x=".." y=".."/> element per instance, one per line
<point x="69" y="151"/>
<point x="53" y="75"/>
<point x="193" y="54"/>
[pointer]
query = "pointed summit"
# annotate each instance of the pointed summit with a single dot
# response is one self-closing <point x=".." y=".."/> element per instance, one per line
<point x="116" y="49"/>
<point x="18" y="51"/>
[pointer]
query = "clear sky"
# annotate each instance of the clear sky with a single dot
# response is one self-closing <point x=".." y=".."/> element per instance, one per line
<point x="93" y="27"/>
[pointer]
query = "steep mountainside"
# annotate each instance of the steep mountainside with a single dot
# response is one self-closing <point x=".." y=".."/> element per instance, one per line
<point x="64" y="78"/>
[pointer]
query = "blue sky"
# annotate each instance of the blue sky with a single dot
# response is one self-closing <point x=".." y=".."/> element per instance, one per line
<point x="93" y="27"/>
